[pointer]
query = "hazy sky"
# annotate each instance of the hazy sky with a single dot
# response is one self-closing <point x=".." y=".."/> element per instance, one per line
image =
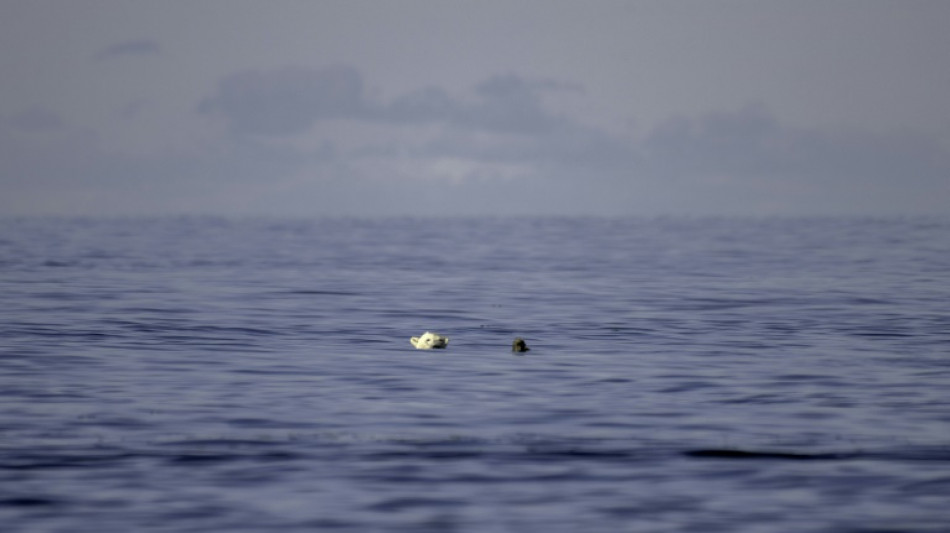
<point x="488" y="107"/>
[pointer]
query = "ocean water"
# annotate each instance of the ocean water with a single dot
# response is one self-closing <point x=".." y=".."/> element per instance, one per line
<point x="685" y="375"/>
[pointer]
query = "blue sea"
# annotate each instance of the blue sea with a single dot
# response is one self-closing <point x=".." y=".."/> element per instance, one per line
<point x="201" y="374"/>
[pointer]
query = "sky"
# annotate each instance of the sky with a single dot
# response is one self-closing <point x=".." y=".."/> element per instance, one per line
<point x="449" y="107"/>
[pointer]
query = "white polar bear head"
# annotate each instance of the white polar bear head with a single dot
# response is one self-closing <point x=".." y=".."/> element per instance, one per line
<point x="429" y="340"/>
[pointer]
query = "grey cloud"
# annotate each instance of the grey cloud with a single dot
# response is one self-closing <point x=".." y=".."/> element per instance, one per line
<point x="505" y="104"/>
<point x="509" y="104"/>
<point x="129" y="48"/>
<point x="743" y="159"/>
<point x="568" y="148"/>
<point x="506" y="122"/>
<point x="67" y="172"/>
<point x="752" y="143"/>
<point x="286" y="101"/>
<point x="289" y="101"/>
<point x="748" y="141"/>
<point x="430" y="104"/>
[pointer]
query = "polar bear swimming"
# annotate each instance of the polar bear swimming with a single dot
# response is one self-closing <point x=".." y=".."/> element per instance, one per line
<point x="429" y="340"/>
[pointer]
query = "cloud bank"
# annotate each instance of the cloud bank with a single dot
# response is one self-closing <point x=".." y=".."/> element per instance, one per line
<point x="310" y="141"/>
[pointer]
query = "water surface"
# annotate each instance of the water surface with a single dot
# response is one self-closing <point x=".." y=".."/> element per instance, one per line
<point x="209" y="374"/>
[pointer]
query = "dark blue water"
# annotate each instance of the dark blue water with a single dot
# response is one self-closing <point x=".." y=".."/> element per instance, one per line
<point x="734" y="375"/>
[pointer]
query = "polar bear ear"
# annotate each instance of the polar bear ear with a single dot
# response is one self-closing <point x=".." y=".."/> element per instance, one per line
<point x="414" y="341"/>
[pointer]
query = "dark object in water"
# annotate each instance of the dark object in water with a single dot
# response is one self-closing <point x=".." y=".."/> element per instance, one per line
<point x="519" y="345"/>
<point x="726" y="453"/>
